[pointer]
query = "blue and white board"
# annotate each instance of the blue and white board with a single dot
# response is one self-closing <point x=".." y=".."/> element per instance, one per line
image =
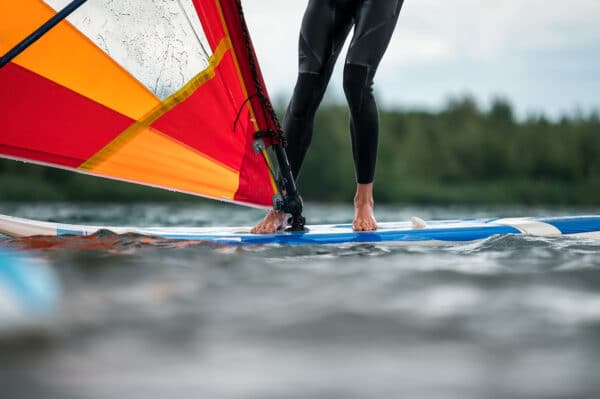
<point x="414" y="231"/>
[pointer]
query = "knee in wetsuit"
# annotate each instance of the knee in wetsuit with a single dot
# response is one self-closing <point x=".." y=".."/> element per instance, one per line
<point x="358" y="85"/>
<point x="324" y="29"/>
<point x="306" y="96"/>
<point x="299" y="118"/>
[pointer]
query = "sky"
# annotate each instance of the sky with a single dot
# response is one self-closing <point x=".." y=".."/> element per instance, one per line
<point x="543" y="56"/>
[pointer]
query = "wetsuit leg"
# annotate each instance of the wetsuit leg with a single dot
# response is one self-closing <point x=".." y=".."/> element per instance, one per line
<point x="375" y="23"/>
<point x="325" y="26"/>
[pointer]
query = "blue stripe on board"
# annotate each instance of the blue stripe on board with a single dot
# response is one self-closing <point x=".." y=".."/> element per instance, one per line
<point x="65" y="232"/>
<point x="574" y="224"/>
<point x="444" y="230"/>
<point x="459" y="234"/>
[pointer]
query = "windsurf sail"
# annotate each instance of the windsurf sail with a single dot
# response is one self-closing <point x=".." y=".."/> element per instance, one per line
<point x="162" y="93"/>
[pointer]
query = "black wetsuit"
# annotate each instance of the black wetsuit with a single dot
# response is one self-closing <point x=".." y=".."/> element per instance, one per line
<point x="325" y="26"/>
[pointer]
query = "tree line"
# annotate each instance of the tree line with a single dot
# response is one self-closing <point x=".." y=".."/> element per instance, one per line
<point x="461" y="154"/>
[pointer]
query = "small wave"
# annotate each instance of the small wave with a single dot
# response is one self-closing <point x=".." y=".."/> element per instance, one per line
<point x="529" y="252"/>
<point x="103" y="240"/>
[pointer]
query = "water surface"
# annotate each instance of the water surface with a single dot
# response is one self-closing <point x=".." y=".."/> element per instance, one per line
<point x="514" y="317"/>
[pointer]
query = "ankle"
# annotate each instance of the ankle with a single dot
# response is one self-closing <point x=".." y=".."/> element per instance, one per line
<point x="362" y="202"/>
<point x="364" y="195"/>
<point x="277" y="213"/>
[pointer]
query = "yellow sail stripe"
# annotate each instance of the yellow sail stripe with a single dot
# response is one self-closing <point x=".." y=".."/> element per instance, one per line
<point x="167" y="105"/>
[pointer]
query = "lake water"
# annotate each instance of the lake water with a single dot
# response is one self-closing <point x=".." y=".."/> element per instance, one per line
<point x="508" y="317"/>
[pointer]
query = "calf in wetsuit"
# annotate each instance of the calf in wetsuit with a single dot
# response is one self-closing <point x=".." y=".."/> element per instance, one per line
<point x="325" y="27"/>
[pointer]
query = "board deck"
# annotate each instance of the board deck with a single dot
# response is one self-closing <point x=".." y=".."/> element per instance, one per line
<point x="408" y="231"/>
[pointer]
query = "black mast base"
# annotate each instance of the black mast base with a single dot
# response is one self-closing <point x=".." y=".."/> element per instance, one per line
<point x="297" y="223"/>
<point x="288" y="201"/>
<point x="293" y="206"/>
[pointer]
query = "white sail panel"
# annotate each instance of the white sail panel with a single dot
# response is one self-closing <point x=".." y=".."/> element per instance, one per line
<point x="161" y="43"/>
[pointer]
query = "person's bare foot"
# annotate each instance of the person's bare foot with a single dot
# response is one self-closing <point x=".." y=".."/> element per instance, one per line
<point x="364" y="218"/>
<point x="274" y="221"/>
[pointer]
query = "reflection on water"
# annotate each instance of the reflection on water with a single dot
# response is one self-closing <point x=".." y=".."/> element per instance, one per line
<point x="511" y="316"/>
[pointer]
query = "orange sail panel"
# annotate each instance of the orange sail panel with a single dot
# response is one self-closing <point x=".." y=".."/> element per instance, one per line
<point x="159" y="93"/>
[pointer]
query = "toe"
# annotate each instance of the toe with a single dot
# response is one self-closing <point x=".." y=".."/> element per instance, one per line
<point x="373" y="225"/>
<point x="358" y="225"/>
<point x="261" y="228"/>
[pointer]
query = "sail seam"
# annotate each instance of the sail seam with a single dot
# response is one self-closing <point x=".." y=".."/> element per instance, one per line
<point x="160" y="110"/>
<point x="237" y="65"/>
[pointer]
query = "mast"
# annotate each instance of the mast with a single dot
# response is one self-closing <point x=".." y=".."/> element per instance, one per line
<point x="41" y="31"/>
<point x="289" y="200"/>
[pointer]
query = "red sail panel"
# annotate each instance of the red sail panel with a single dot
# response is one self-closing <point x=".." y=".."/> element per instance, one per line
<point x="229" y="14"/>
<point x="45" y="122"/>
<point x="244" y="50"/>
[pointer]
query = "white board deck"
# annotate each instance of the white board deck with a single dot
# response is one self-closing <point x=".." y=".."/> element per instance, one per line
<point x="404" y="231"/>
